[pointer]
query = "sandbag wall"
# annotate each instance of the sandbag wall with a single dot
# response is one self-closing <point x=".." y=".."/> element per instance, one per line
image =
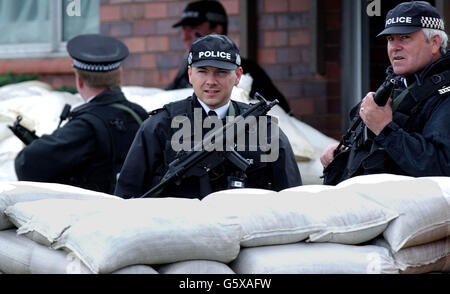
<point x="370" y="224"/>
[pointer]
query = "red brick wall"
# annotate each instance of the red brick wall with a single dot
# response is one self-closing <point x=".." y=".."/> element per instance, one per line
<point x="283" y="50"/>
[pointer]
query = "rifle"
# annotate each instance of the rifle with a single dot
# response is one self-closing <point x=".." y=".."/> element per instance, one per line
<point x="200" y="163"/>
<point x="27" y="136"/>
<point x="21" y="132"/>
<point x="355" y="137"/>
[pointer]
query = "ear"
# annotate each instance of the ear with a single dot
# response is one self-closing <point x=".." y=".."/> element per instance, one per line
<point x="239" y="71"/>
<point x="190" y="74"/>
<point x="219" y="29"/>
<point x="436" y="44"/>
<point x="79" y="82"/>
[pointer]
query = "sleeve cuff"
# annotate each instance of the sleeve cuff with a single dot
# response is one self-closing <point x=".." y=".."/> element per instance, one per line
<point x="388" y="129"/>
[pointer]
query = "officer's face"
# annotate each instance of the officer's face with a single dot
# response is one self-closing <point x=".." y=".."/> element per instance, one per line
<point x="190" y="32"/>
<point x="214" y="85"/>
<point x="409" y="53"/>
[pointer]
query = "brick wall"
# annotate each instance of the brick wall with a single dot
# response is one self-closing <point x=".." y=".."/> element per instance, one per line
<point x="284" y="51"/>
<point x="146" y="27"/>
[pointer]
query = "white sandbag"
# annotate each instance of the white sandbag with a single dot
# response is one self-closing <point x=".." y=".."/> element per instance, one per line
<point x="314" y="258"/>
<point x="424" y="211"/>
<point x="347" y="217"/>
<point x="23" y="89"/>
<point x="195" y="267"/>
<point x="425" y="258"/>
<point x="312" y="170"/>
<point x="322" y="213"/>
<point x="16" y="192"/>
<point x="43" y="221"/>
<point x="265" y="219"/>
<point x="301" y="146"/>
<point x="19" y="255"/>
<point x="152" y="231"/>
<point x="139" y="269"/>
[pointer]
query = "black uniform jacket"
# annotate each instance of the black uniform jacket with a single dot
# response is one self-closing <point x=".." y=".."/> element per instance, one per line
<point x="261" y="83"/>
<point x="89" y="150"/>
<point x="151" y="153"/>
<point x="417" y="142"/>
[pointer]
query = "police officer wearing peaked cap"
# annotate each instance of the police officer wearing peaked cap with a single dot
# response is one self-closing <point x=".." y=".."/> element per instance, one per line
<point x="89" y="150"/>
<point x="214" y="69"/>
<point x="410" y="134"/>
<point x="201" y="18"/>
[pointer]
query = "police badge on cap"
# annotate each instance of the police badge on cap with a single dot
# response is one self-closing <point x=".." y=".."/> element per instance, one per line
<point x="97" y="53"/>
<point x="214" y="50"/>
<point x="410" y="17"/>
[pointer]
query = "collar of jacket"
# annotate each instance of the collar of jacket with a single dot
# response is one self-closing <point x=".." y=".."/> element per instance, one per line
<point x="436" y="67"/>
<point x="107" y="97"/>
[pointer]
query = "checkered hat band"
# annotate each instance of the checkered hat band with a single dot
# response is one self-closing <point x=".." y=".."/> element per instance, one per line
<point x="432" y="23"/>
<point x="95" y="67"/>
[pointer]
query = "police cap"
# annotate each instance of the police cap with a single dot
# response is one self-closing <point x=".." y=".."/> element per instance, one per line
<point x="97" y="53"/>
<point x="201" y="11"/>
<point x="216" y="51"/>
<point x="410" y="17"/>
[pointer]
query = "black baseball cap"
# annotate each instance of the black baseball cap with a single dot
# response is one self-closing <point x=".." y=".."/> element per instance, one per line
<point x="201" y="11"/>
<point x="410" y="17"/>
<point x="216" y="51"/>
<point x="97" y="53"/>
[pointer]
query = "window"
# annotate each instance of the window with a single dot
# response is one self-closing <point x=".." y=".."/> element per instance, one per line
<point x="41" y="28"/>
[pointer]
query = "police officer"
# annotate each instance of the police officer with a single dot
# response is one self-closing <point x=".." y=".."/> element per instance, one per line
<point x="89" y="150"/>
<point x="205" y="17"/>
<point x="411" y="133"/>
<point x="214" y="69"/>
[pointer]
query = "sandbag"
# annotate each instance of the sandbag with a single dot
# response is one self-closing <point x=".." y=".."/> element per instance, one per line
<point x="322" y="213"/>
<point x="195" y="267"/>
<point x="16" y="192"/>
<point x="43" y="221"/>
<point x="421" y="259"/>
<point x="422" y="204"/>
<point x="314" y="258"/>
<point x="152" y="231"/>
<point x="19" y="255"/>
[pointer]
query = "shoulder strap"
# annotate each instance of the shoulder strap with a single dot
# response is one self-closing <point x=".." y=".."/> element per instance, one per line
<point x="177" y="108"/>
<point x="129" y="110"/>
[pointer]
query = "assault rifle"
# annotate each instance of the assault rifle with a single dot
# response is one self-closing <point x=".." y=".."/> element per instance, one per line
<point x="21" y="132"/>
<point x="200" y="163"/>
<point x="351" y="136"/>
<point x="27" y="136"/>
<point x="355" y="137"/>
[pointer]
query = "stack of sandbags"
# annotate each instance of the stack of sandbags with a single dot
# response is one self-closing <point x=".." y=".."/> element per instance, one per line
<point x="410" y="215"/>
<point x="107" y="233"/>
<point x="22" y="255"/>
<point x="369" y="224"/>
<point x="419" y="238"/>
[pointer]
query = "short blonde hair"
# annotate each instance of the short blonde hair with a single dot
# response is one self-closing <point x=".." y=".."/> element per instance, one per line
<point x="100" y="80"/>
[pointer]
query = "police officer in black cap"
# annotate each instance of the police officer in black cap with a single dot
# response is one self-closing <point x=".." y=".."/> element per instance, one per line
<point x="89" y="150"/>
<point x="411" y="133"/>
<point x="206" y="17"/>
<point x="214" y="69"/>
